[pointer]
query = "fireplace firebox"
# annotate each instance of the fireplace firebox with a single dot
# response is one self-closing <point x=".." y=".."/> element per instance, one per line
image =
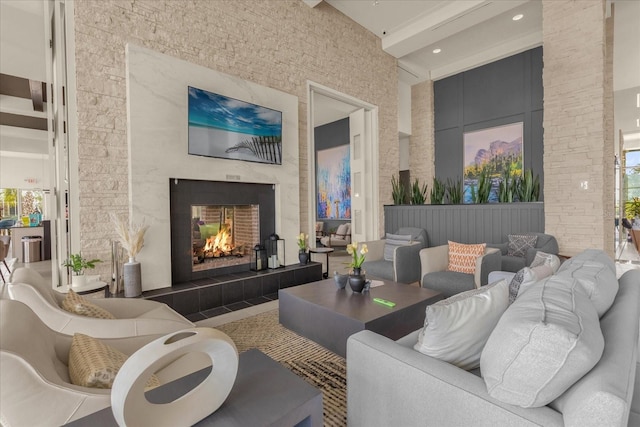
<point x="223" y="235"/>
<point x="215" y="225"/>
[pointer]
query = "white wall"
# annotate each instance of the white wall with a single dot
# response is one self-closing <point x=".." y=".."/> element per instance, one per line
<point x="24" y="172"/>
<point x="404" y="109"/>
<point x="157" y="137"/>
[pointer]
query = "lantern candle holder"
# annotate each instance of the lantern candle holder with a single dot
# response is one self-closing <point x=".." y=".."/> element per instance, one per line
<point x="258" y="258"/>
<point x="275" y="251"/>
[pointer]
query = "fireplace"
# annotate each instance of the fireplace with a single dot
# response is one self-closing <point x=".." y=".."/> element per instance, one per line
<point x="215" y="225"/>
<point x="223" y="235"/>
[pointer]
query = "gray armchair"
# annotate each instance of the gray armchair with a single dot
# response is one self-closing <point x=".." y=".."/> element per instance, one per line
<point x="434" y="262"/>
<point x="545" y="243"/>
<point x="403" y="263"/>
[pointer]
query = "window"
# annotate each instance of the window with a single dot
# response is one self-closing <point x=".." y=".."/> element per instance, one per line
<point x="15" y="202"/>
<point x="632" y="174"/>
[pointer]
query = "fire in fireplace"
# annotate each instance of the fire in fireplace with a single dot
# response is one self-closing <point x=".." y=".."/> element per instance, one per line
<point x="223" y="232"/>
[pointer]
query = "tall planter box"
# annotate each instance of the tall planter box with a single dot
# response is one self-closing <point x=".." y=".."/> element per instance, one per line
<point x="467" y="223"/>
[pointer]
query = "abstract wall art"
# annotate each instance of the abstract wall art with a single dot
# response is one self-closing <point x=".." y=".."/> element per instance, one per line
<point x="333" y="171"/>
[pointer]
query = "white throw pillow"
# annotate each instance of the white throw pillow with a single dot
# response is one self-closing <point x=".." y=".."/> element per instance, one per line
<point x="544" y="342"/>
<point x="456" y="329"/>
<point x="342" y="231"/>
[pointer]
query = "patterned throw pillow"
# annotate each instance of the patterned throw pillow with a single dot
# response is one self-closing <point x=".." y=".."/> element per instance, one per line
<point x="514" y="286"/>
<point x="95" y="364"/>
<point x="392" y="241"/>
<point x="74" y="303"/>
<point x="526" y="277"/>
<point x="543" y="258"/>
<point x="519" y="243"/>
<point x="462" y="258"/>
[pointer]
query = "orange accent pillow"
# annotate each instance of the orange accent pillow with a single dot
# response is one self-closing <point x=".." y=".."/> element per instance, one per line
<point x="462" y="258"/>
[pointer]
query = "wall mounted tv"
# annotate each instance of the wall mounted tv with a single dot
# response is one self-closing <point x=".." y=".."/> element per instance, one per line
<point x="228" y="128"/>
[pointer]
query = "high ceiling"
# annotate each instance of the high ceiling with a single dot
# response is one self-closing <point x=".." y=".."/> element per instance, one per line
<point x="475" y="32"/>
<point x="468" y="32"/>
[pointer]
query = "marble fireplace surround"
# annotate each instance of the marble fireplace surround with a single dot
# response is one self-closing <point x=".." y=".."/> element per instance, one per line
<point x="157" y="141"/>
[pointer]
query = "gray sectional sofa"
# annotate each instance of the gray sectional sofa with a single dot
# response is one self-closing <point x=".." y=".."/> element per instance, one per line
<point x="390" y="383"/>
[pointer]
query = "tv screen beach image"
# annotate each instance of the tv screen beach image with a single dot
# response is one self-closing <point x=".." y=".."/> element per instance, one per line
<point x="232" y="129"/>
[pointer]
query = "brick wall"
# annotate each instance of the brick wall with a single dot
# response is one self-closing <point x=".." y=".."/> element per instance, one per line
<point x="280" y="44"/>
<point x="578" y="141"/>
<point x="422" y="140"/>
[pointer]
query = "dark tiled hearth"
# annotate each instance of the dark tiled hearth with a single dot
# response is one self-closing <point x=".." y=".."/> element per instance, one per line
<point x="204" y="298"/>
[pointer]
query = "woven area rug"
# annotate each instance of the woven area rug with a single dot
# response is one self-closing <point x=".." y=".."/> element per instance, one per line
<point x="318" y="366"/>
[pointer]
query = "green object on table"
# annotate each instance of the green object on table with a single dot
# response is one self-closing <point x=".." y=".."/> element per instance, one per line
<point x="384" y="302"/>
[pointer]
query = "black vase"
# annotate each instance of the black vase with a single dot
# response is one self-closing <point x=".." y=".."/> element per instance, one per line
<point x="357" y="282"/>
<point x="303" y="257"/>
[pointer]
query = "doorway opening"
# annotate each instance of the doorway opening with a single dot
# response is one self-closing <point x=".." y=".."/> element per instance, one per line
<point x="328" y="106"/>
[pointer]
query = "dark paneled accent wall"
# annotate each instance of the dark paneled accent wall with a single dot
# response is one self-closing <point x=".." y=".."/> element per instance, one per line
<point x="500" y="93"/>
<point x="185" y="193"/>
<point x="485" y="223"/>
<point x="328" y="136"/>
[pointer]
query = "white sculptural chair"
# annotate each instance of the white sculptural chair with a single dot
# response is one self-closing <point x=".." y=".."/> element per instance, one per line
<point x="36" y="389"/>
<point x="133" y="317"/>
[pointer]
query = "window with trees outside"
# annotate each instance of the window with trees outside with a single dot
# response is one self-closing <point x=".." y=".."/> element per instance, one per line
<point x="16" y="203"/>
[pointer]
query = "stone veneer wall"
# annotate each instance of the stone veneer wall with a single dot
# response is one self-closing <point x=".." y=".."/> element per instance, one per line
<point x="422" y="140"/>
<point x="578" y="133"/>
<point x="280" y="44"/>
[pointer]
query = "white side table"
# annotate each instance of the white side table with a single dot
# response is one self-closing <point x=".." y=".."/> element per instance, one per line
<point x="90" y="287"/>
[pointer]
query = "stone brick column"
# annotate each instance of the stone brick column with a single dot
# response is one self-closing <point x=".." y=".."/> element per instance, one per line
<point x="422" y="139"/>
<point x="578" y="131"/>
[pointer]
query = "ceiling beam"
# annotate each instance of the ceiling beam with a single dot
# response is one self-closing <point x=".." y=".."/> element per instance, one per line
<point x="14" y="86"/>
<point x="16" y="120"/>
<point x="450" y="19"/>
<point x="37" y="89"/>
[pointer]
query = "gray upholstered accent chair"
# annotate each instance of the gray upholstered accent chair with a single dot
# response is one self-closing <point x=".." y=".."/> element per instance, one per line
<point x="434" y="262"/>
<point x="402" y="262"/>
<point x="545" y="243"/>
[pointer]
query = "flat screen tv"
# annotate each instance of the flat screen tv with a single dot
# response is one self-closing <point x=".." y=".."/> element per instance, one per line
<point x="228" y="128"/>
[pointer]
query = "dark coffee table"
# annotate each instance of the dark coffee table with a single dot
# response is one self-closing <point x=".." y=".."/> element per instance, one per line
<point x="328" y="315"/>
<point x="265" y="393"/>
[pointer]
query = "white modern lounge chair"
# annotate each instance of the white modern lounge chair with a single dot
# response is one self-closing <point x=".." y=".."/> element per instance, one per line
<point x="133" y="317"/>
<point x="35" y="380"/>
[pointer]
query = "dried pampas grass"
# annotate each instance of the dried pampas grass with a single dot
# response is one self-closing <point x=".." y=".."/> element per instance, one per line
<point x="131" y="236"/>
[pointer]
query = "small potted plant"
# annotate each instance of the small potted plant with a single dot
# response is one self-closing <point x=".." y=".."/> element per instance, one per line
<point x="78" y="264"/>
<point x="303" y="255"/>
<point x="357" y="280"/>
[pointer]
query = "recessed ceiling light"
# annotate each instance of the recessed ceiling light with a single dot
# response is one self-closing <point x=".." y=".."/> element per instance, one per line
<point x="518" y="17"/>
<point x="437" y="50"/>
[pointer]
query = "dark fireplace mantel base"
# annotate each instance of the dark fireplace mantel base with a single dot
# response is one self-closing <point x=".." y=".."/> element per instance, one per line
<point x="204" y="294"/>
